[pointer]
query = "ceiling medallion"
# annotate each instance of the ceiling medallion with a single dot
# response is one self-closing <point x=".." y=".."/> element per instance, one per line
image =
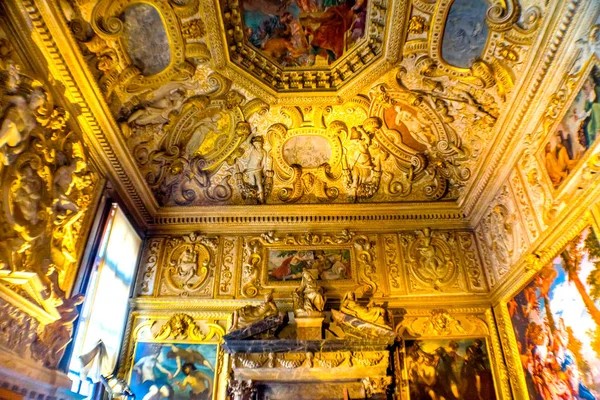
<point x="309" y="45"/>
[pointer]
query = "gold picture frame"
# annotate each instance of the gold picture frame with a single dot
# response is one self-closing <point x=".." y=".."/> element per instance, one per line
<point x="361" y="248"/>
<point x="442" y="329"/>
<point x="503" y="310"/>
<point x="172" y="341"/>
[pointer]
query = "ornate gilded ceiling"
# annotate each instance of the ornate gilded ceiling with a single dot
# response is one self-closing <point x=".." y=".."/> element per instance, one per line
<point x="306" y="101"/>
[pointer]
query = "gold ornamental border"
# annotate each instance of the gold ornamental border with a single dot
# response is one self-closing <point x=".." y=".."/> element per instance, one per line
<point x="178" y="328"/>
<point x="566" y="95"/>
<point x="519" y="114"/>
<point x="255" y="280"/>
<point x="457" y="324"/>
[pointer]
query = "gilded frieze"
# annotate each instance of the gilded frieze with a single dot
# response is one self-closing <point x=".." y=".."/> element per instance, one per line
<point x="250" y="266"/>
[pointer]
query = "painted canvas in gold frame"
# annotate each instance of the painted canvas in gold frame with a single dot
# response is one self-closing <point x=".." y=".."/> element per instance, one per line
<point x="328" y="264"/>
<point x="441" y="332"/>
<point x="158" y="330"/>
<point x="340" y="261"/>
<point x="551" y="325"/>
<point x="457" y="368"/>
<point x="174" y="370"/>
<point x="574" y="133"/>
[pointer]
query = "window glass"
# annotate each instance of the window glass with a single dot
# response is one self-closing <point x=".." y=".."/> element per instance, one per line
<point x="104" y="311"/>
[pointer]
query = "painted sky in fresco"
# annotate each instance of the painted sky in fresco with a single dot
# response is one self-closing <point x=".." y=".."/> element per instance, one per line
<point x="465" y="33"/>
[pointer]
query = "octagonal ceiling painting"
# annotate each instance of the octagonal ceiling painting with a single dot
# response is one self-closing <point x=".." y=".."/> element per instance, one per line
<point x="304" y="33"/>
<point x="185" y="81"/>
<point x="307" y="45"/>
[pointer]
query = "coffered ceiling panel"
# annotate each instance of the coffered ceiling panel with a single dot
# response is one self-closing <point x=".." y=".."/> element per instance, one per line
<point x="237" y="102"/>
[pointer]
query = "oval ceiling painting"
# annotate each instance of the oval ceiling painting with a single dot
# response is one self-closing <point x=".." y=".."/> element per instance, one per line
<point x="465" y="33"/>
<point x="146" y="39"/>
<point x="307" y="151"/>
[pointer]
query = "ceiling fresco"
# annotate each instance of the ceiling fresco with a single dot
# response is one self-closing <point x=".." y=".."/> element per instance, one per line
<point x="309" y="45"/>
<point x="202" y="93"/>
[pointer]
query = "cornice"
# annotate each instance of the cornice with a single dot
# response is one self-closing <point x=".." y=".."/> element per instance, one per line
<point x="382" y="217"/>
<point x="415" y="305"/>
<point x="484" y="185"/>
<point x="67" y="65"/>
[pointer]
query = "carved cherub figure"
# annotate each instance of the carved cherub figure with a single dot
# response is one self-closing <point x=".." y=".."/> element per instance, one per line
<point x="67" y="178"/>
<point x="18" y="120"/>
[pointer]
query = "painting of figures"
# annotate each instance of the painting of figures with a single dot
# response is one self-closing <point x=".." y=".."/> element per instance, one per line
<point x="449" y="369"/>
<point x="556" y="321"/>
<point x="287" y="265"/>
<point x="173" y="371"/>
<point x="576" y="132"/>
<point x="301" y="33"/>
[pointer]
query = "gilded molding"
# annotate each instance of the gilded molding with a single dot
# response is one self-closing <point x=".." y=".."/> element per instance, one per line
<point x="480" y="187"/>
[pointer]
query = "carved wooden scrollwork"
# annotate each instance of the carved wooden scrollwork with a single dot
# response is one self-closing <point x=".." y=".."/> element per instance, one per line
<point x="442" y="323"/>
<point x="182" y="326"/>
<point x="47" y="191"/>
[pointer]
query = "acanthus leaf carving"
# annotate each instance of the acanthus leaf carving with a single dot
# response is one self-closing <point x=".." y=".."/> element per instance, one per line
<point x="180" y="326"/>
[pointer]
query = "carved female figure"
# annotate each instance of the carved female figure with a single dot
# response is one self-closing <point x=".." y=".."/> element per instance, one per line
<point x="308" y="298"/>
<point x="187" y="265"/>
<point x="159" y="110"/>
<point x="250" y="314"/>
<point x="371" y="313"/>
